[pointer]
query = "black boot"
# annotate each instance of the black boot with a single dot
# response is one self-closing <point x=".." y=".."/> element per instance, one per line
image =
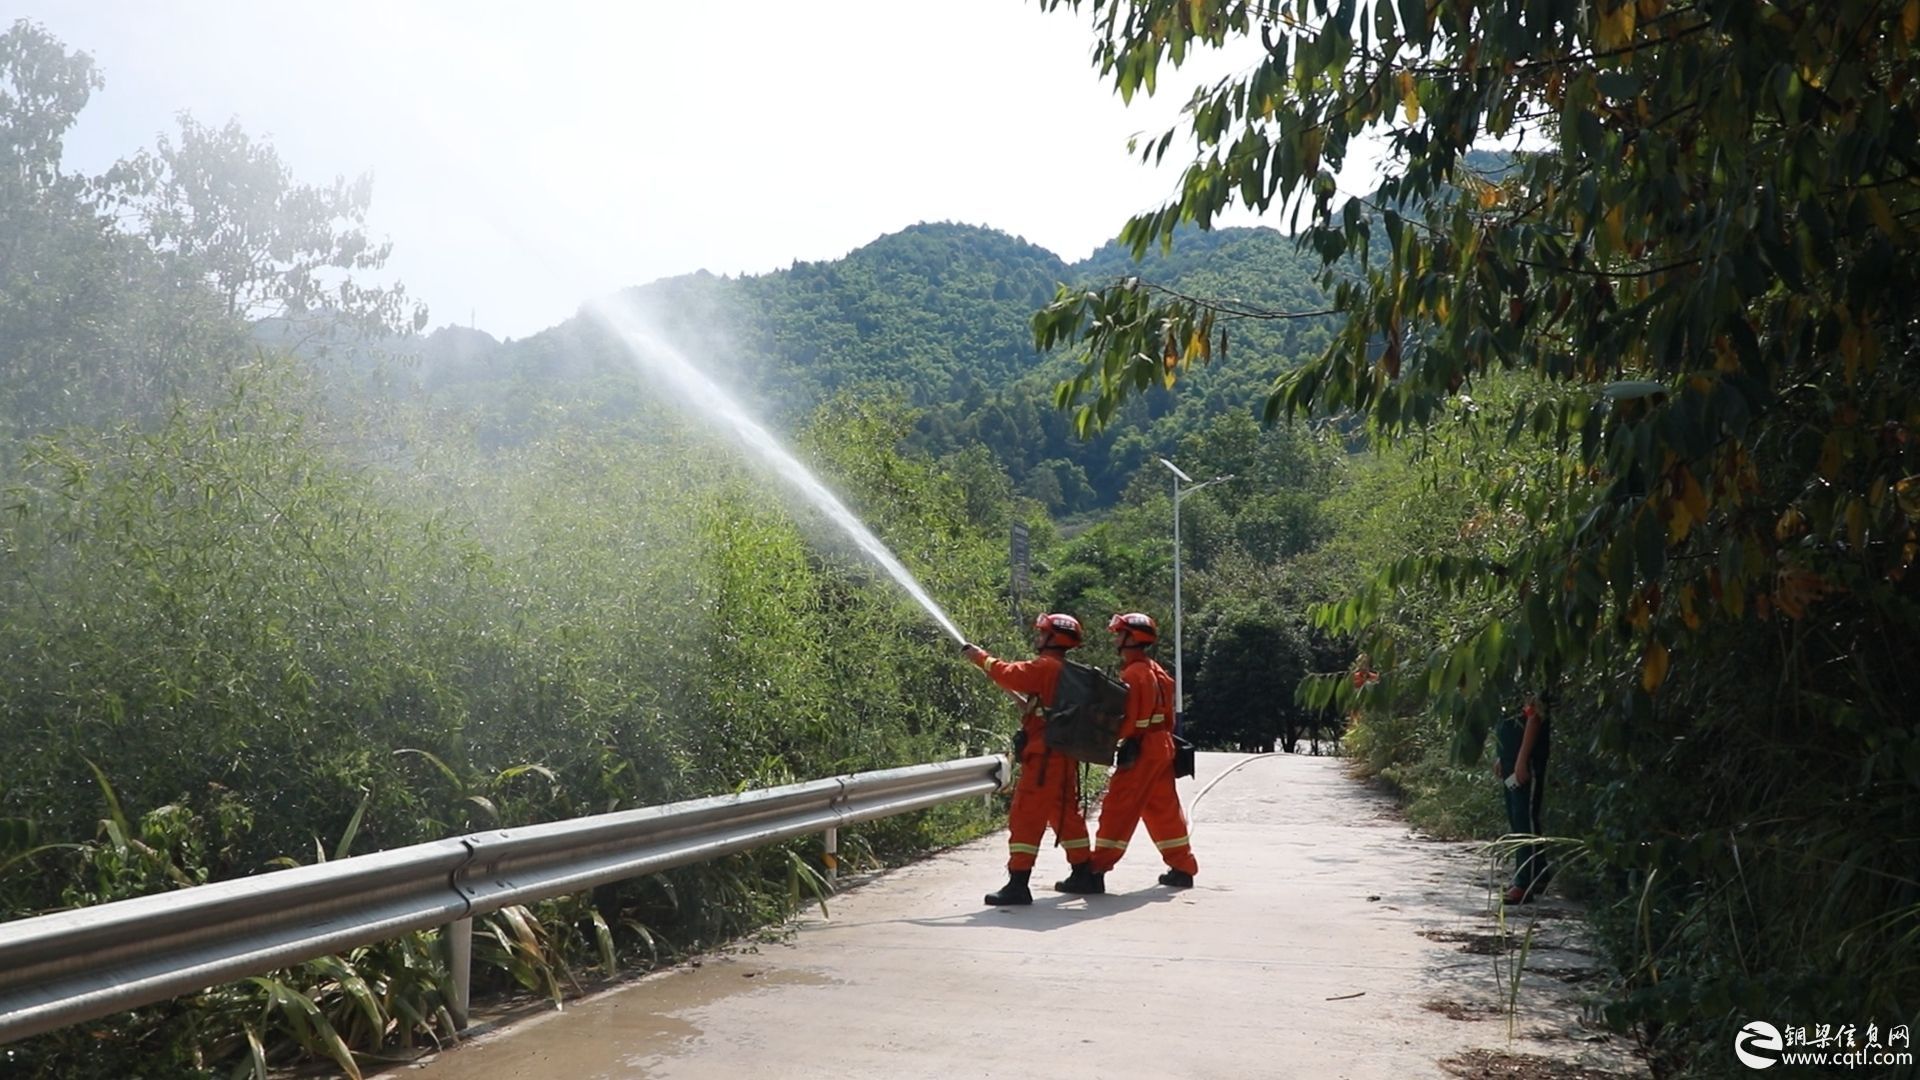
<point x="1178" y="879"/>
<point x="1083" y="879"/>
<point x="1014" y="892"/>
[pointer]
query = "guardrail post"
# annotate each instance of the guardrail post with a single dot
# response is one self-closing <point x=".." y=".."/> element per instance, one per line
<point x="460" y="965"/>
<point x="830" y="854"/>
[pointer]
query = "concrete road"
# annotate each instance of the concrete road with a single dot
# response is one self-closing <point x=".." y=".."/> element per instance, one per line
<point x="1323" y="940"/>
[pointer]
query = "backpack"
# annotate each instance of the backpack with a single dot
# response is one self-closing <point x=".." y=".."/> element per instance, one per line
<point x="1089" y="706"/>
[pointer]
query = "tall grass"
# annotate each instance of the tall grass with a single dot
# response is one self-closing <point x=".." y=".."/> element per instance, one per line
<point x="235" y="642"/>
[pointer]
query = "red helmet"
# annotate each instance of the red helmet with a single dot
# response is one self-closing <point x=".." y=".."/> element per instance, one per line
<point x="1062" y="630"/>
<point x="1141" y="627"/>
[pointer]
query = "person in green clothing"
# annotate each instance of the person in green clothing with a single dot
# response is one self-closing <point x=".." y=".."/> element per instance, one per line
<point x="1523" y="742"/>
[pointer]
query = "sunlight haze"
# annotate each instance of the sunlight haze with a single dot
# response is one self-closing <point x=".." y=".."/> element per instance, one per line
<point x="527" y="160"/>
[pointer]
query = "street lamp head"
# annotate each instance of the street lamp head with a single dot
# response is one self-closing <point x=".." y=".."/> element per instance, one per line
<point x="1191" y="488"/>
<point x="1175" y="469"/>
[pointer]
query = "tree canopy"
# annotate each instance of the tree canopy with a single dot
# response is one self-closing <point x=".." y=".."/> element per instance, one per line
<point x="1709" y="263"/>
<point x="223" y="205"/>
<point x="935" y="315"/>
<point x="1695" y="272"/>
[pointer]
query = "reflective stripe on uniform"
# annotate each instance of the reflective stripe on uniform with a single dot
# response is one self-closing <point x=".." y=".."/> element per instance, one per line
<point x="1024" y="849"/>
<point x="1116" y="845"/>
<point x="1070" y="844"/>
<point x="1178" y="841"/>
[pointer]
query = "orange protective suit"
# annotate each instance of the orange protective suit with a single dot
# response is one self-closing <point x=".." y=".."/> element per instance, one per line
<point x="1048" y="791"/>
<point x="1144" y="789"/>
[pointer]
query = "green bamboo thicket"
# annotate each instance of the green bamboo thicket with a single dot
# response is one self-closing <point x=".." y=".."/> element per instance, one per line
<point x="265" y="610"/>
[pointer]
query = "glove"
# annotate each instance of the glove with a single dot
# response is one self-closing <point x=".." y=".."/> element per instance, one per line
<point x="1019" y="743"/>
<point x="1129" y="753"/>
<point x="973" y="652"/>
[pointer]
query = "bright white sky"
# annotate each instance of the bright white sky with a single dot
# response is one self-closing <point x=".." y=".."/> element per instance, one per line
<point x="527" y="157"/>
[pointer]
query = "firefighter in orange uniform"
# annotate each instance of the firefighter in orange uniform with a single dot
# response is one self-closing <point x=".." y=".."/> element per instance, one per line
<point x="1142" y="785"/>
<point x="1048" y="791"/>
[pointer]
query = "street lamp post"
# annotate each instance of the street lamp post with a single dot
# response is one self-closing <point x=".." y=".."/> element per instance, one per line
<point x="1179" y="684"/>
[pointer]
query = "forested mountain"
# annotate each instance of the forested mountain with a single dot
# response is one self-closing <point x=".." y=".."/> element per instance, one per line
<point x="935" y="315"/>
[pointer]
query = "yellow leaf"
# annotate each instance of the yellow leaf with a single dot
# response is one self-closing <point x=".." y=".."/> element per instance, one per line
<point x="1725" y="359"/>
<point x="1790" y="524"/>
<point x="1882" y="215"/>
<point x="1687" y="614"/>
<point x="1616" y="26"/>
<point x="1856" y="523"/>
<point x="1680" y="523"/>
<point x="1907" y="494"/>
<point x="1409" y="96"/>
<point x="1653" y="667"/>
<point x="1310" y="145"/>
<point x="1910" y="22"/>
<point x="1795" y="589"/>
<point x="1693" y="496"/>
<point x="1616" y="225"/>
<point x="1830" y="456"/>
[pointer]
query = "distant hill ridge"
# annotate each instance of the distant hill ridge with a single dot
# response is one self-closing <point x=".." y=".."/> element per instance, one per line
<point x="916" y="309"/>
<point x="936" y="314"/>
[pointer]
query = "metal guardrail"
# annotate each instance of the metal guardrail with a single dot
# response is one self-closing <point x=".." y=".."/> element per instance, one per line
<point x="76" y="965"/>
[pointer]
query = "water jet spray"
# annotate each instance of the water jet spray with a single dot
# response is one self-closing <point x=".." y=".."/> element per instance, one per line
<point x="666" y="361"/>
